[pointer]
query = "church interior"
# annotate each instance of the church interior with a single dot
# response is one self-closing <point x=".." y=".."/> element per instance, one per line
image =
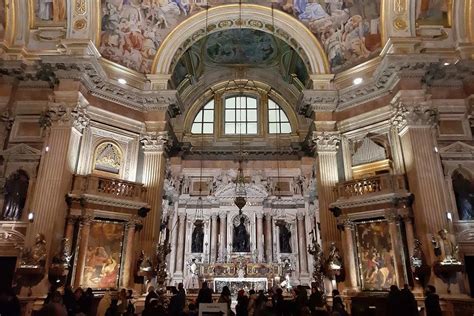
<point x="248" y="144"/>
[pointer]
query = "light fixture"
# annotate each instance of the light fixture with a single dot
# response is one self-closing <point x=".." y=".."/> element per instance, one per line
<point x="446" y="63"/>
<point x="357" y="80"/>
<point x="449" y="215"/>
<point x="436" y="149"/>
<point x="31" y="217"/>
<point x="46" y="149"/>
<point x="122" y="81"/>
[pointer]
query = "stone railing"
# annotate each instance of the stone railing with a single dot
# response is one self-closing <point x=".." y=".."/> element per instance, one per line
<point x="108" y="187"/>
<point x="380" y="184"/>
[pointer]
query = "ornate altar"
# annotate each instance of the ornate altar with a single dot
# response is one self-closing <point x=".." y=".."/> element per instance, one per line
<point x="241" y="273"/>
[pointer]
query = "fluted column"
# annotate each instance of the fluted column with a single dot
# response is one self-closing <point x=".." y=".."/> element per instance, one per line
<point x="349" y="255"/>
<point x="174" y="238"/>
<point x="69" y="232"/>
<point x="260" y="236"/>
<point x="268" y="238"/>
<point x="84" y="232"/>
<point x="327" y="175"/>
<point x="127" y="266"/>
<point x="302" y="244"/>
<point x="63" y="124"/>
<point x="154" y="144"/>
<point x="394" y="230"/>
<point x="223" y="235"/>
<point x="214" y="236"/>
<point x="347" y="157"/>
<point x="415" y="122"/>
<point x="180" y="248"/>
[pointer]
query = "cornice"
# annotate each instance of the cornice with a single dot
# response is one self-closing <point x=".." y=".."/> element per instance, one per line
<point x="90" y="72"/>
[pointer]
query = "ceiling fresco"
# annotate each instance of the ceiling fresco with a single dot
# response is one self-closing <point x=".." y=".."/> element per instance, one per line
<point x="241" y="46"/>
<point x="132" y="30"/>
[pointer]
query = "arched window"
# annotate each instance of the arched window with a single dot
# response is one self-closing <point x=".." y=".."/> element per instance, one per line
<point x="463" y="188"/>
<point x="240" y="116"/>
<point x="204" y="121"/>
<point x="278" y="122"/>
<point x="108" y="158"/>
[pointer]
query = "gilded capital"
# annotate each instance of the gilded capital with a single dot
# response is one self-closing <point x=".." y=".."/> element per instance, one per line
<point x="155" y="141"/>
<point x="414" y="114"/>
<point x="326" y="141"/>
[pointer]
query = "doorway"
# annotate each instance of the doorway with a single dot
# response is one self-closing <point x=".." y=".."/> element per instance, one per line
<point x="469" y="262"/>
<point x="8" y="270"/>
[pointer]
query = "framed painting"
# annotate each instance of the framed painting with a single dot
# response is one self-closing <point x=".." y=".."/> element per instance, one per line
<point x="48" y="13"/>
<point x="104" y="255"/>
<point x="375" y="254"/>
<point x="433" y="12"/>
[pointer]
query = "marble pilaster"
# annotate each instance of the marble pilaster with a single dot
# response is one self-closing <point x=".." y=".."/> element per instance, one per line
<point x="127" y="266"/>
<point x="268" y="238"/>
<point x="302" y="249"/>
<point x="260" y="237"/>
<point x="154" y="145"/>
<point x="223" y="235"/>
<point x="326" y="146"/>
<point x="423" y="167"/>
<point x="350" y="261"/>
<point x="84" y="232"/>
<point x="214" y="236"/>
<point x="180" y="246"/>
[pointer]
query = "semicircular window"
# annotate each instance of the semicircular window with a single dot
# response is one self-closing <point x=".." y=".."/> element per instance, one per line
<point x="278" y="122"/>
<point x="108" y="158"/>
<point x="204" y="121"/>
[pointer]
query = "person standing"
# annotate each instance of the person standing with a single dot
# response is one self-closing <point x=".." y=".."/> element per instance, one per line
<point x="204" y="295"/>
<point x="432" y="302"/>
<point x="408" y="302"/>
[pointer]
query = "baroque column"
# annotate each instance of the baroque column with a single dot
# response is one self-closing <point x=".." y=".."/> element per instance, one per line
<point x="302" y="245"/>
<point x="154" y="145"/>
<point x="63" y="123"/>
<point x="214" y="236"/>
<point x="127" y="266"/>
<point x="69" y="232"/>
<point x="415" y="122"/>
<point x="84" y="232"/>
<point x="394" y="230"/>
<point x="268" y="237"/>
<point x="223" y="234"/>
<point x="349" y="255"/>
<point x="180" y="248"/>
<point x="260" y="236"/>
<point x="326" y="146"/>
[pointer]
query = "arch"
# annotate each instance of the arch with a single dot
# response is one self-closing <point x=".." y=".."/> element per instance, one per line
<point x="287" y="28"/>
<point x="463" y="187"/>
<point x="108" y="158"/>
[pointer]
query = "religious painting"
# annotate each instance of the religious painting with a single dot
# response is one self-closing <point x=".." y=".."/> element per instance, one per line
<point x="375" y="255"/>
<point x="241" y="46"/>
<point x="49" y="11"/>
<point x="133" y="30"/>
<point x="433" y="12"/>
<point x="104" y="254"/>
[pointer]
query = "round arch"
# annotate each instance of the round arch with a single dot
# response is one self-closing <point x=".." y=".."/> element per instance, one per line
<point x="219" y="18"/>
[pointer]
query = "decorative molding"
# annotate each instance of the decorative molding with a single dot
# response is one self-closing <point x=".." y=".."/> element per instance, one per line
<point x="457" y="151"/>
<point x="414" y="114"/>
<point x="326" y="141"/>
<point x="317" y="101"/>
<point x="155" y="141"/>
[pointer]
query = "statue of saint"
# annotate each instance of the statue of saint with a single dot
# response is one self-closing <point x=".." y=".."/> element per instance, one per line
<point x="197" y="238"/>
<point x="285" y="239"/>
<point x="36" y="256"/>
<point x="449" y="250"/>
<point x="16" y="189"/>
<point x="241" y="237"/>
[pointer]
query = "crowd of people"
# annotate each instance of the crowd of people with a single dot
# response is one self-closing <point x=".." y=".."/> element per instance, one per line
<point x="273" y="303"/>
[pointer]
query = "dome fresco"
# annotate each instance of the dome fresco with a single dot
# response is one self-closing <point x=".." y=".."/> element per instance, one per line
<point x="133" y="30"/>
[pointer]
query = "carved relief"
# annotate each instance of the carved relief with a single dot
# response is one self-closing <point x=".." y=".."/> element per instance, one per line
<point x="413" y="114"/>
<point x="326" y="141"/>
<point x="108" y="158"/>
